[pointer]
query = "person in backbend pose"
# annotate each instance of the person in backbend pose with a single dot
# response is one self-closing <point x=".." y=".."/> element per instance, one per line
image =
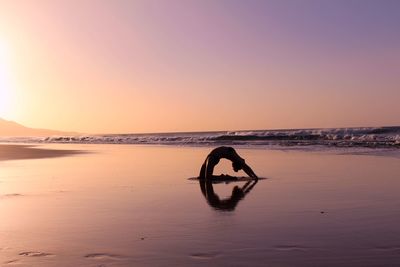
<point x="207" y="169"/>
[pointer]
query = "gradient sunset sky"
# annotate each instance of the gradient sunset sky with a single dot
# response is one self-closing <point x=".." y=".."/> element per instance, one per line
<point x="161" y="66"/>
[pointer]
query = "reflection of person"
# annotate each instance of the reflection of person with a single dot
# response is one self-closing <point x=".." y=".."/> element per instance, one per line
<point x="229" y="153"/>
<point x="228" y="204"/>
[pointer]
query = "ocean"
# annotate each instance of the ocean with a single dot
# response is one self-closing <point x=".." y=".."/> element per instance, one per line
<point x="367" y="137"/>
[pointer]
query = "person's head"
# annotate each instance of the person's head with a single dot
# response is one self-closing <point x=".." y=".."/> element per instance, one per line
<point x="237" y="166"/>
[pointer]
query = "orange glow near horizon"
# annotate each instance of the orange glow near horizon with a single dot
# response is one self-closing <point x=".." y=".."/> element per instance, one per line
<point x="105" y="67"/>
<point x="6" y="90"/>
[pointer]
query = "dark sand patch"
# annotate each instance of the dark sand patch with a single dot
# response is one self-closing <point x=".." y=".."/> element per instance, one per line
<point x="15" y="152"/>
<point x="228" y="179"/>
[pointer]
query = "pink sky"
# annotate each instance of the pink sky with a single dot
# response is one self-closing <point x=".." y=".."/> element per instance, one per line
<point x="155" y="66"/>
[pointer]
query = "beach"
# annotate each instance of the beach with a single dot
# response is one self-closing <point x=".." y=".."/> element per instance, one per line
<point x="133" y="205"/>
<point x="123" y="125"/>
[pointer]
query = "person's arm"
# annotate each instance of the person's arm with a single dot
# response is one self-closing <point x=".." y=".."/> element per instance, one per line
<point x="206" y="171"/>
<point x="246" y="168"/>
<point x="210" y="163"/>
<point x="202" y="174"/>
<point x="209" y="170"/>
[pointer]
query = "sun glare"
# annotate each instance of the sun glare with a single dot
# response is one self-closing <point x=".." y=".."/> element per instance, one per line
<point x="5" y="86"/>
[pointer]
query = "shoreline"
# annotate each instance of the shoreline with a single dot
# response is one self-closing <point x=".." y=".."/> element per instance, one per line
<point x="21" y="152"/>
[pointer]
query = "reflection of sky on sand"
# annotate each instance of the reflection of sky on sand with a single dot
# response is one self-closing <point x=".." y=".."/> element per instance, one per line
<point x="132" y="205"/>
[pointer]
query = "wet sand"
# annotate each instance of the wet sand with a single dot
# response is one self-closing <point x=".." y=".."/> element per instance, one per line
<point x="131" y="205"/>
<point x="15" y="152"/>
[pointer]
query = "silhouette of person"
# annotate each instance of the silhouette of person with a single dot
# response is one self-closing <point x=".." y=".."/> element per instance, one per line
<point x="228" y="204"/>
<point x="238" y="163"/>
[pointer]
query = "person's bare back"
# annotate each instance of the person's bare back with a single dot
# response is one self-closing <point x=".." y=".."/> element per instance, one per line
<point x="238" y="163"/>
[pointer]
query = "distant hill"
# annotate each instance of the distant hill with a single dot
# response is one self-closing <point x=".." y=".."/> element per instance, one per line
<point x="10" y="128"/>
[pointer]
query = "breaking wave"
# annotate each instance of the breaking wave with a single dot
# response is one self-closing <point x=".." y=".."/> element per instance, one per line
<point x="378" y="137"/>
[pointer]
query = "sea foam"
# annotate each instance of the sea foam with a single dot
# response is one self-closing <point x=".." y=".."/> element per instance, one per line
<point x="372" y="137"/>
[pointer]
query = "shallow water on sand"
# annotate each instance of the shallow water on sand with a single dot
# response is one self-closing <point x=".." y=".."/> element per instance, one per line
<point x="131" y="205"/>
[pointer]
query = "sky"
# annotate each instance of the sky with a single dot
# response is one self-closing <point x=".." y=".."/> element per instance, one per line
<point x="166" y="66"/>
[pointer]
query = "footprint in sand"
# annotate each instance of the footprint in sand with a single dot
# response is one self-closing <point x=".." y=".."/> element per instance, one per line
<point x="104" y="256"/>
<point x="35" y="254"/>
<point x="388" y="248"/>
<point x="11" y="262"/>
<point x="205" y="256"/>
<point x="289" y="248"/>
<point x="11" y="195"/>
